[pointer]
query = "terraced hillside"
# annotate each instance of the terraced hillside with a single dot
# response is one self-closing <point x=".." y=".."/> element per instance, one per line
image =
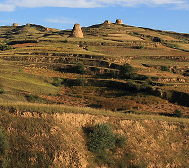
<point x="130" y="71"/>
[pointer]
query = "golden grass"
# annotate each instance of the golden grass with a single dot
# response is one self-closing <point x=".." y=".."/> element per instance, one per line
<point x="52" y="108"/>
<point x="183" y="46"/>
<point x="122" y="37"/>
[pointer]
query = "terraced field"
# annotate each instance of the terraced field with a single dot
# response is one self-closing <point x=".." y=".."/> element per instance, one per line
<point x="42" y="56"/>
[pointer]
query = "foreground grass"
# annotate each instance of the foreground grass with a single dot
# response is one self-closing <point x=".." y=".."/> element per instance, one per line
<point x="58" y="131"/>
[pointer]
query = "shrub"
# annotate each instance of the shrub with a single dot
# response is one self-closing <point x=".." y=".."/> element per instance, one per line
<point x="80" y="81"/>
<point x="101" y="138"/>
<point x="136" y="33"/>
<point x="57" y="81"/>
<point x="143" y="86"/>
<point x="80" y="68"/>
<point x="186" y="73"/>
<point x="172" y="45"/>
<point x="5" y="47"/>
<point x="165" y="68"/>
<point x="33" y="98"/>
<point x="125" y="70"/>
<point x="120" y="141"/>
<point x="141" y="46"/>
<point x="2" y="91"/>
<point x="177" y="113"/>
<point x="104" y="144"/>
<point x="132" y="86"/>
<point x="157" y="39"/>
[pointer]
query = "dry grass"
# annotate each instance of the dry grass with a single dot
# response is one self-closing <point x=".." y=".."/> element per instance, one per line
<point x="151" y="140"/>
<point x="52" y="109"/>
<point x="183" y="46"/>
<point x="122" y="37"/>
<point x="54" y="134"/>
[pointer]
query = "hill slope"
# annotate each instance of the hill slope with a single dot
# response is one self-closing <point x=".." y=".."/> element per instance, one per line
<point x="59" y="140"/>
<point x="139" y="75"/>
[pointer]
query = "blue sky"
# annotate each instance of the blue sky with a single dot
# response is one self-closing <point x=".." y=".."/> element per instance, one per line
<point x="171" y="15"/>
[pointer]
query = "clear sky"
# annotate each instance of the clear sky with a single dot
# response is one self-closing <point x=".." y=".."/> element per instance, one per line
<point x="171" y="15"/>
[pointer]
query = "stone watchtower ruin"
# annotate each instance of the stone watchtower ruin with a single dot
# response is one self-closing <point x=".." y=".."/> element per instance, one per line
<point x="107" y="22"/>
<point x="119" y="21"/>
<point x="15" y="24"/>
<point x="77" y="31"/>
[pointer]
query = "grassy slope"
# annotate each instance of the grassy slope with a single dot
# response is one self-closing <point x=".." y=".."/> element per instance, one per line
<point x="54" y="135"/>
<point x="42" y="134"/>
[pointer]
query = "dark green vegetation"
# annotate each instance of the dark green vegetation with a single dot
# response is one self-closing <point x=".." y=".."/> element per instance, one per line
<point x="104" y="144"/>
<point x="101" y="138"/>
<point x="136" y="73"/>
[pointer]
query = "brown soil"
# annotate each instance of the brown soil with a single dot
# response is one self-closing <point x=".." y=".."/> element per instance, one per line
<point x="167" y="108"/>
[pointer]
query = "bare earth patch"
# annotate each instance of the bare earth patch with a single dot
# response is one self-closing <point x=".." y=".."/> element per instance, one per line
<point x="167" y="108"/>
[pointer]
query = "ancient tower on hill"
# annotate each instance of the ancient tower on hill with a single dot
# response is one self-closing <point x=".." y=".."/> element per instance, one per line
<point x="107" y="22"/>
<point x="119" y="21"/>
<point x="76" y="31"/>
<point x="15" y="24"/>
<point x="47" y="29"/>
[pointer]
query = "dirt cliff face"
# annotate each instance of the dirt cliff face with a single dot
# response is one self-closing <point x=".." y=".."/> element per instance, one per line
<point x="76" y="154"/>
<point x="147" y="140"/>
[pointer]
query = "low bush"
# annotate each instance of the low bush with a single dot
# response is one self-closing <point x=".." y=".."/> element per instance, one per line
<point x="157" y="39"/>
<point x="141" y="46"/>
<point x="33" y="98"/>
<point x="120" y="141"/>
<point x="80" y="68"/>
<point x="186" y="73"/>
<point x="2" y="91"/>
<point x="104" y="144"/>
<point x="125" y="70"/>
<point x="5" y="47"/>
<point x="172" y="45"/>
<point x="80" y="81"/>
<point x="165" y="68"/>
<point x="177" y="113"/>
<point x="57" y="81"/>
<point x="101" y="138"/>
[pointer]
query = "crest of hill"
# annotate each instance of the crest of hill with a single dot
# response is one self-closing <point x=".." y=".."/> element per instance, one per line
<point x="144" y="33"/>
<point x="25" y="31"/>
<point x="35" y="31"/>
